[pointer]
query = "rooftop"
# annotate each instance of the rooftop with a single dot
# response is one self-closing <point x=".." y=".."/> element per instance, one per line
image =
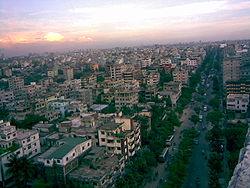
<point x="58" y="152"/>
<point x="110" y="126"/>
<point x="25" y="133"/>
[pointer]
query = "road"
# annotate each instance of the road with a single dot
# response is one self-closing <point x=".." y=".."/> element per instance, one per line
<point x="162" y="175"/>
<point x="198" y="175"/>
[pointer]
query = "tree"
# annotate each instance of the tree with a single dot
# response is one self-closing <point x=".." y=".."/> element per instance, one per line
<point x="214" y="116"/>
<point x="100" y="78"/>
<point x="195" y="119"/>
<point x="21" y="170"/>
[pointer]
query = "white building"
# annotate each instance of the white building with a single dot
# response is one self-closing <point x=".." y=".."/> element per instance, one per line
<point x="238" y="102"/>
<point x="65" y="155"/>
<point x="20" y="142"/>
<point x="29" y="140"/>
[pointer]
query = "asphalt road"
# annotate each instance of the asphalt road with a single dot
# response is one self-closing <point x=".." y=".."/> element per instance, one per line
<point x="159" y="179"/>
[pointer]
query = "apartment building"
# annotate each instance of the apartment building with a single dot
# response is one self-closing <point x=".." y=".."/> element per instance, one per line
<point x="180" y="76"/>
<point x="16" y="83"/>
<point x="110" y="166"/>
<point x="16" y="141"/>
<point x="238" y="102"/>
<point x="121" y="136"/>
<point x="29" y="140"/>
<point x="64" y="156"/>
<point x="68" y="73"/>
<point x="238" y="87"/>
<point x="126" y="97"/>
<point x="231" y="69"/>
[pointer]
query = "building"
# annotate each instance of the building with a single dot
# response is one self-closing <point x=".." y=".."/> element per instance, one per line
<point x="84" y="95"/>
<point x="238" y="87"/>
<point x="16" y="83"/>
<point x="231" y="69"/>
<point x="172" y="90"/>
<point x="52" y="73"/>
<point x="238" y="102"/>
<point x="62" y="158"/>
<point x="121" y="136"/>
<point x="68" y="73"/>
<point x="180" y="76"/>
<point x="126" y="97"/>
<point x="20" y="142"/>
<point x="110" y="166"/>
<point x="29" y="140"/>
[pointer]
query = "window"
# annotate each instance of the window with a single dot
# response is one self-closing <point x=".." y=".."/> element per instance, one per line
<point x="34" y="144"/>
<point x="48" y="162"/>
<point x="103" y="140"/>
<point x="67" y="158"/>
<point x="118" y="148"/>
<point x="58" y="161"/>
<point x="74" y="154"/>
<point x="88" y="144"/>
<point x="83" y="148"/>
<point x="102" y="132"/>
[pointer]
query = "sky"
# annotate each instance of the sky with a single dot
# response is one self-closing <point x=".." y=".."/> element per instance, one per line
<point x="58" y="25"/>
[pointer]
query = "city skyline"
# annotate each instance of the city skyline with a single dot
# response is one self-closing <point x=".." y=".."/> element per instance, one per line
<point x="38" y="26"/>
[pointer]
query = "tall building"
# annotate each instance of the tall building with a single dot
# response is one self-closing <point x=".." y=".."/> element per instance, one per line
<point x="68" y="73"/>
<point x="231" y="69"/>
<point x="120" y="137"/>
<point x="16" y="83"/>
<point x="126" y="97"/>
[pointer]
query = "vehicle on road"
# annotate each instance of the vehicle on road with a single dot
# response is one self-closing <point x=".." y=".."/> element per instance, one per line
<point x="169" y="140"/>
<point x="200" y="117"/>
<point x="163" y="156"/>
<point x="205" y="108"/>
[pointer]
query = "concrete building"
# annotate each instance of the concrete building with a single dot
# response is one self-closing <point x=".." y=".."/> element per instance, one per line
<point x="238" y="102"/>
<point x="238" y="87"/>
<point x="16" y="83"/>
<point x="110" y="166"/>
<point x="121" y="136"/>
<point x="52" y="73"/>
<point x="68" y="73"/>
<point x="64" y="157"/>
<point x="126" y="97"/>
<point x="29" y="140"/>
<point x="231" y="69"/>
<point x="180" y="76"/>
<point x="20" y="142"/>
<point x="84" y="95"/>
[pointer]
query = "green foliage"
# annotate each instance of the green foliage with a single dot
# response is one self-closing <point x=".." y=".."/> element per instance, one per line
<point x="179" y="168"/>
<point x="215" y="102"/>
<point x="4" y="114"/>
<point x="195" y="119"/>
<point x="137" y="169"/>
<point x="164" y="77"/>
<point x="21" y="170"/>
<point x="214" y="117"/>
<point x="197" y="110"/>
<point x="28" y="122"/>
<point x="110" y="109"/>
<point x="60" y="80"/>
<point x="100" y="78"/>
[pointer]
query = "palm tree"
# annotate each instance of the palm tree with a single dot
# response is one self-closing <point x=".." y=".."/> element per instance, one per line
<point x="21" y="170"/>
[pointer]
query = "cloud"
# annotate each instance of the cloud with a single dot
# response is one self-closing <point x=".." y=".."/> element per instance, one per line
<point x="85" y="39"/>
<point x="51" y="36"/>
<point x="237" y="6"/>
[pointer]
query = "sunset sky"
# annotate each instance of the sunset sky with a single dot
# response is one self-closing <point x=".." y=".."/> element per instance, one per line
<point x="52" y="25"/>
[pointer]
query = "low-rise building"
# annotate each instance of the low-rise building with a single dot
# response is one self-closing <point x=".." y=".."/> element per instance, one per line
<point x="238" y="102"/>
<point x="64" y="157"/>
<point x="99" y="169"/>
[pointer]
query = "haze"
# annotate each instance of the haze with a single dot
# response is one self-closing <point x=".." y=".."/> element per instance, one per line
<point x="38" y="26"/>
